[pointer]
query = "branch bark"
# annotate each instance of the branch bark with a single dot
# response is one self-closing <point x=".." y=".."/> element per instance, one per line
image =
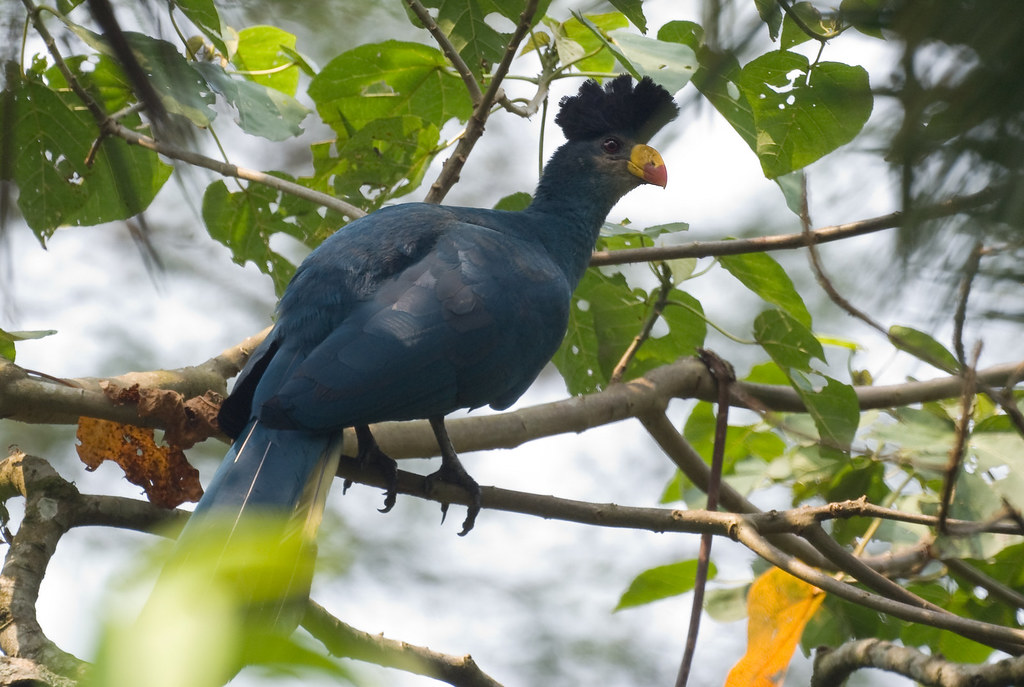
<point x="833" y="666"/>
<point x="344" y="640"/>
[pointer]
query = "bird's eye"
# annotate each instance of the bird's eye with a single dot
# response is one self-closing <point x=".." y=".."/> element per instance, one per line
<point x="611" y="145"/>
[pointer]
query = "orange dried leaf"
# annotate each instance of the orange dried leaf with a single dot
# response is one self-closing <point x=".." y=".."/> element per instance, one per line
<point x="778" y="606"/>
<point x="162" y="471"/>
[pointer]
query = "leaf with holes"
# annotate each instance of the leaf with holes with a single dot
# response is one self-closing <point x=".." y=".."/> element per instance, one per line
<point x="604" y="316"/>
<point x="384" y="80"/>
<point x="802" y="113"/>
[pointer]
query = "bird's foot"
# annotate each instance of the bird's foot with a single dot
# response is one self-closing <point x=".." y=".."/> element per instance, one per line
<point x="369" y="454"/>
<point x="452" y="472"/>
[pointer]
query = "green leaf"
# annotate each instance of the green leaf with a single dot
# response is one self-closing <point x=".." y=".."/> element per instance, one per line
<point x="760" y="273"/>
<point x="787" y="340"/>
<point x="667" y="63"/>
<point x="203" y="13"/>
<point x="574" y="39"/>
<point x="50" y="143"/>
<point x="835" y="411"/>
<point x="716" y="78"/>
<point x="385" y="159"/>
<point x="633" y="10"/>
<point x="514" y="202"/>
<point x="923" y="347"/>
<point x="604" y="316"/>
<point x="771" y="15"/>
<point x="661" y="582"/>
<point x="8" y="339"/>
<point x="55" y="186"/>
<point x="687" y="329"/>
<point x="181" y="89"/>
<point x="465" y="24"/>
<point x="261" y="110"/>
<point x="267" y="49"/>
<point x="385" y="80"/>
<point x="245" y="221"/>
<point x="803" y="113"/>
<point x="671" y="65"/>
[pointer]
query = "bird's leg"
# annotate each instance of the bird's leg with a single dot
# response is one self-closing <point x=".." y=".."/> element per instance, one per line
<point x="451" y="471"/>
<point x="369" y="453"/>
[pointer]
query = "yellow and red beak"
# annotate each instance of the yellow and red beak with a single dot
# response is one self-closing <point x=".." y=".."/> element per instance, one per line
<point x="646" y="163"/>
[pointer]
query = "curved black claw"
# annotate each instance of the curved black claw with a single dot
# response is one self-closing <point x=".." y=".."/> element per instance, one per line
<point x="454" y="473"/>
<point x="368" y="453"/>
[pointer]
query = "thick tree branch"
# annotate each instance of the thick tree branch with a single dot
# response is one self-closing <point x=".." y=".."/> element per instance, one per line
<point x="46" y="496"/>
<point x="346" y="641"/>
<point x="833" y="666"/>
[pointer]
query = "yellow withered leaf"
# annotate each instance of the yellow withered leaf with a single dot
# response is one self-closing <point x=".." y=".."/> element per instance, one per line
<point x="778" y="607"/>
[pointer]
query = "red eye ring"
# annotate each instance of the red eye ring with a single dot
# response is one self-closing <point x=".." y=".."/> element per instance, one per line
<point x="611" y="145"/>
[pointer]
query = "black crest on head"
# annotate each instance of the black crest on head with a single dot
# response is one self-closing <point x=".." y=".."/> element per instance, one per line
<point x="618" y="107"/>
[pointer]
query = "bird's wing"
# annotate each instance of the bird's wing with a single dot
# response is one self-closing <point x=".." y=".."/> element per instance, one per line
<point x="471" y="323"/>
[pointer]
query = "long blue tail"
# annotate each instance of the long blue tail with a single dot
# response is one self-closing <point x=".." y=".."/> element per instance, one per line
<point x="273" y="471"/>
<point x="256" y="524"/>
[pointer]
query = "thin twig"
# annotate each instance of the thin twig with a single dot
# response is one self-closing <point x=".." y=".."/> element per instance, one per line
<point x="448" y="49"/>
<point x="701" y="249"/>
<point x="474" y="129"/>
<point x="724" y="377"/>
<point x="963" y="428"/>
<point x="1007" y="639"/>
<point x="344" y="640"/>
<point x="660" y="302"/>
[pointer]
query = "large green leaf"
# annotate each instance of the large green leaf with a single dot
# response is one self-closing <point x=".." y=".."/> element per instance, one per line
<point x="55" y="185"/>
<point x="245" y="221"/>
<point x="384" y="159"/>
<point x="181" y="89"/>
<point x="661" y="582"/>
<point x="573" y="40"/>
<point x="716" y="78"/>
<point x="260" y="110"/>
<point x="924" y="347"/>
<point x="203" y="13"/>
<point x="835" y="411"/>
<point x="605" y="315"/>
<point x="802" y="113"/>
<point x="385" y="80"/>
<point x="264" y="52"/>
<point x="465" y="23"/>
<point x="787" y="340"/>
<point x="760" y="273"/>
<point x="668" y="63"/>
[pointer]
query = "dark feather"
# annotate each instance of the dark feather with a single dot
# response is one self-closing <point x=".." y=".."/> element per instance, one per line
<point x="616" y="108"/>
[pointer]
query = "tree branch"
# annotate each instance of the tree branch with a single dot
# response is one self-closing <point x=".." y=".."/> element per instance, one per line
<point x="46" y="496"/>
<point x="344" y="640"/>
<point x="1004" y="638"/>
<point x="833" y="666"/>
<point x="448" y="49"/>
<point x="703" y="249"/>
<point x="475" y="128"/>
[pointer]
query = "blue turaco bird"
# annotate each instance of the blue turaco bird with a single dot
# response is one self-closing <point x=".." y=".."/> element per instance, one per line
<point x="417" y="310"/>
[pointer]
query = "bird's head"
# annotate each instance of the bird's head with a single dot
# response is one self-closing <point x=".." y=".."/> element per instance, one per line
<point x="614" y="124"/>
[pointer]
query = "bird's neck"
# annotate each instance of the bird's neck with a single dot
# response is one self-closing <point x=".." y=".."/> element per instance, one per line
<point x="574" y="207"/>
